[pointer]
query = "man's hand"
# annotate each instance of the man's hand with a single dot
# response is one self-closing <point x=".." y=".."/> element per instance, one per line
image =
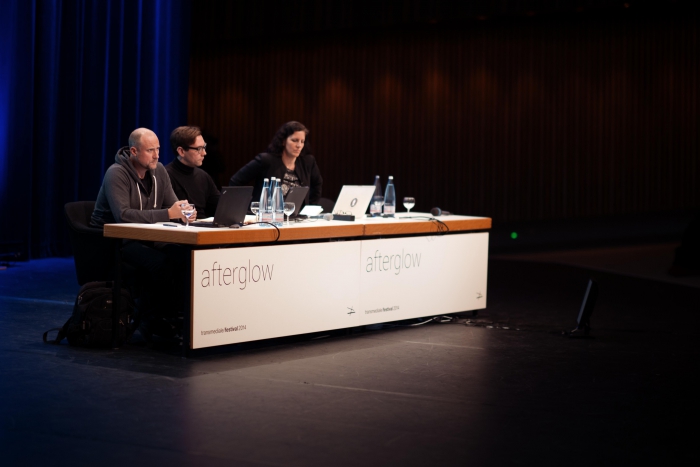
<point x="175" y="211"/>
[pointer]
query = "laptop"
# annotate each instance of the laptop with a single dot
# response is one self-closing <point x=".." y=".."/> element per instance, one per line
<point x="354" y="200"/>
<point x="296" y="195"/>
<point x="232" y="207"/>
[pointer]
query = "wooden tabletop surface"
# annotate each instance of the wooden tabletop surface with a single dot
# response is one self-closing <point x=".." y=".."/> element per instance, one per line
<point x="404" y="224"/>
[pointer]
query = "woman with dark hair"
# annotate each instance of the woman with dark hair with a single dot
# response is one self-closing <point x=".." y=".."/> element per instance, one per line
<point x="289" y="159"/>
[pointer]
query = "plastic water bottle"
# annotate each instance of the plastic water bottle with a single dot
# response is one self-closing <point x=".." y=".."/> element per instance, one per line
<point x="270" y="200"/>
<point x="375" y="209"/>
<point x="265" y="207"/>
<point x="277" y="205"/>
<point x="273" y="180"/>
<point x="390" y="198"/>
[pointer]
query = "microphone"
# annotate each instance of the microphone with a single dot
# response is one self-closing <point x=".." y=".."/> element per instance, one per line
<point x="326" y="216"/>
<point x="439" y="212"/>
<point x="338" y="217"/>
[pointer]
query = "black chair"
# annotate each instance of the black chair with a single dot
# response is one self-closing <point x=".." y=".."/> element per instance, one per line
<point x="326" y="204"/>
<point x="92" y="252"/>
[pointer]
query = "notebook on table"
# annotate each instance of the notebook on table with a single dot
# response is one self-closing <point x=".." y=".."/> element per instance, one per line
<point x="232" y="207"/>
<point x="296" y="195"/>
<point x="354" y="200"/>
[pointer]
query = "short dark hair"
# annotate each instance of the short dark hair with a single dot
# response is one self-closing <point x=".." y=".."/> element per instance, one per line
<point x="278" y="142"/>
<point x="184" y="136"/>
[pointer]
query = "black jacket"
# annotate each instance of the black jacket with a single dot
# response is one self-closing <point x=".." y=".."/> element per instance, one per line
<point x="194" y="185"/>
<point x="267" y="165"/>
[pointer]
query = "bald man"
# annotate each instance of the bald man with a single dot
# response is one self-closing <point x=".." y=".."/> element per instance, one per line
<point x="136" y="188"/>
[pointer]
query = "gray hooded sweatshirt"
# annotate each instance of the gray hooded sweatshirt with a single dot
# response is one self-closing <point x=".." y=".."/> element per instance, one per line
<point x="123" y="196"/>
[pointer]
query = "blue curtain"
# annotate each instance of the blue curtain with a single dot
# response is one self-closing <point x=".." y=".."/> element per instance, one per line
<point x="77" y="76"/>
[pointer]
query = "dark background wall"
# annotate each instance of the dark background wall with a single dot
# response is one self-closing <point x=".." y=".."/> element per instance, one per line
<point x="514" y="110"/>
<point x="521" y="110"/>
<point x="77" y="77"/>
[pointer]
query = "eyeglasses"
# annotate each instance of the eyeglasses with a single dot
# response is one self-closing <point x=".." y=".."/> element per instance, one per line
<point x="199" y="149"/>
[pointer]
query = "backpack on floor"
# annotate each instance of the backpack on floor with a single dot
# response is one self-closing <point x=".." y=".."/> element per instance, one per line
<point x="91" y="322"/>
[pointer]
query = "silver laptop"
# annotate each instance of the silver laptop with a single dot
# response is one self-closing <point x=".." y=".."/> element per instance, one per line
<point x="354" y="200"/>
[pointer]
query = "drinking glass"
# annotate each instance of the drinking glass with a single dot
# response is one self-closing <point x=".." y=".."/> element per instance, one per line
<point x="409" y="202"/>
<point x="289" y="210"/>
<point x="187" y="211"/>
<point x="378" y="202"/>
<point x="254" y="208"/>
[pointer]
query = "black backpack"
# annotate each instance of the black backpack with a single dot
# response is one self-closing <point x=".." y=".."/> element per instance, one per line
<point x="91" y="322"/>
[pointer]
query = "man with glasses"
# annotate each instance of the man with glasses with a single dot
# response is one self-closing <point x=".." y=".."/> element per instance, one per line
<point x="189" y="181"/>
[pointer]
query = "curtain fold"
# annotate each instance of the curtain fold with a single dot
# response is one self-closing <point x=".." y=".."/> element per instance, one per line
<point x="77" y="77"/>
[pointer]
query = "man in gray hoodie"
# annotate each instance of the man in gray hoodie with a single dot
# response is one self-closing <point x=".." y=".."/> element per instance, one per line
<point x="136" y="188"/>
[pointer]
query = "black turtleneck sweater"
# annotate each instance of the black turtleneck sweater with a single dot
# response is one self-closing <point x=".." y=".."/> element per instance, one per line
<point x="194" y="185"/>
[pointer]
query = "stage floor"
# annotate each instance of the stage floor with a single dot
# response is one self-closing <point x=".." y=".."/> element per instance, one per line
<point x="501" y="388"/>
<point x="646" y="261"/>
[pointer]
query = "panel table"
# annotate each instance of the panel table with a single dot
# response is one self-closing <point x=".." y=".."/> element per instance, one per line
<point x="247" y="284"/>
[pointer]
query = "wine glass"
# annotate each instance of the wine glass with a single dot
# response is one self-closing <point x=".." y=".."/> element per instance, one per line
<point x="254" y="208"/>
<point x="378" y="202"/>
<point x="187" y="211"/>
<point x="409" y="202"/>
<point x="289" y="210"/>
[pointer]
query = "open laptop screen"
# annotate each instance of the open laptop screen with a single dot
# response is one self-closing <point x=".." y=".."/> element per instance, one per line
<point x="354" y="200"/>
<point x="296" y="195"/>
<point x="232" y="207"/>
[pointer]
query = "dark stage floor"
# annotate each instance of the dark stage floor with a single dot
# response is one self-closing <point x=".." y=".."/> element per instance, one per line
<point x="503" y="389"/>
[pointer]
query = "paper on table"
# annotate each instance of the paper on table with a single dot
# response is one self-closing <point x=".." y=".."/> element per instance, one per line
<point x="311" y="210"/>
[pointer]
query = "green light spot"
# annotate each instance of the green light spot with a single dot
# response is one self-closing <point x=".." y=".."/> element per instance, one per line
<point x="514" y="235"/>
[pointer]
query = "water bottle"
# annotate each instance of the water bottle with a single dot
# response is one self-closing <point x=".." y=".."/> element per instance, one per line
<point x="270" y="200"/>
<point x="273" y="180"/>
<point x="390" y="198"/>
<point x="375" y="207"/>
<point x="265" y="207"/>
<point x="277" y="205"/>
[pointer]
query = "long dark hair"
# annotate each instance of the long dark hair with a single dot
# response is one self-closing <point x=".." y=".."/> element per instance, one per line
<point x="278" y="142"/>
